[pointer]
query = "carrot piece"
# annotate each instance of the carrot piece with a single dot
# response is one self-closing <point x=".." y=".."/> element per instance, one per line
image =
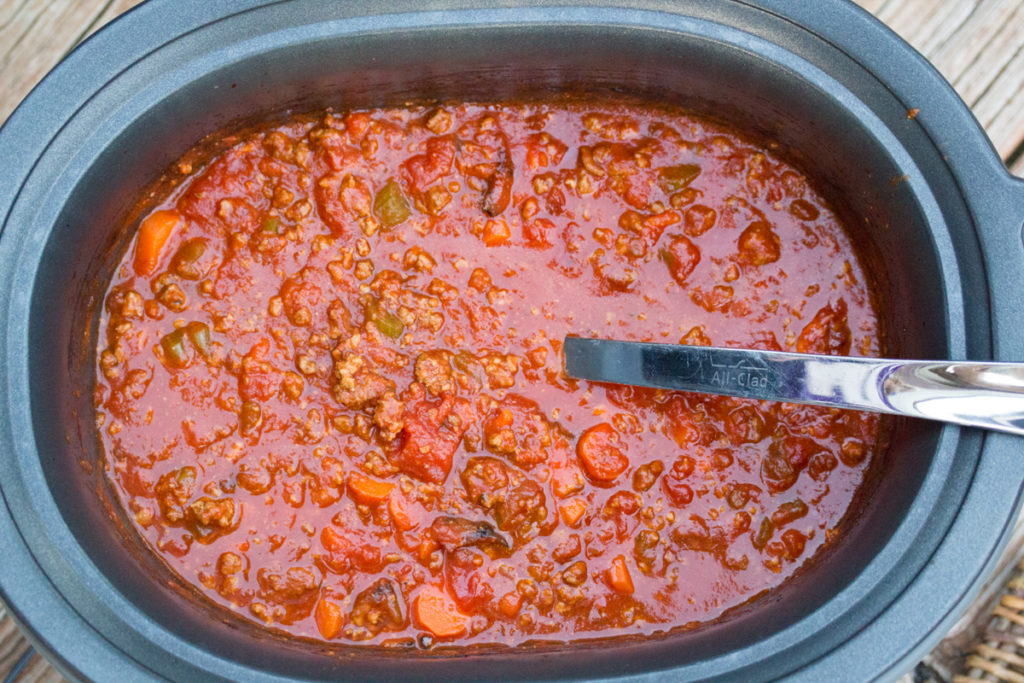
<point x="618" y="576"/>
<point x="328" y="618"/>
<point x="153" y="235"/>
<point x="368" y="491"/>
<point x="356" y="123"/>
<point x="437" y="613"/>
<point x="573" y="510"/>
<point x="332" y="540"/>
<point x="496" y="232"/>
<point x="399" y="515"/>
<point x="510" y="604"/>
<point x="426" y="548"/>
<point x="599" y="452"/>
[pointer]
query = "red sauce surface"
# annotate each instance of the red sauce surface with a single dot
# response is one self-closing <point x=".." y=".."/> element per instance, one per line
<point x="330" y="386"/>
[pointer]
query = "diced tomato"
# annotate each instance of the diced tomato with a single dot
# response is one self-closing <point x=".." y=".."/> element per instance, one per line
<point x="496" y="232"/>
<point x="430" y="437"/>
<point x="654" y="225"/>
<point x="681" y="256"/>
<point x="698" y="219"/>
<point x="759" y="245"/>
<point x="828" y="332"/>
<point x="468" y="582"/>
<point x="350" y="548"/>
<point x="357" y="123"/>
<point x="259" y="379"/>
<point x="510" y="604"/>
<point x="424" y="169"/>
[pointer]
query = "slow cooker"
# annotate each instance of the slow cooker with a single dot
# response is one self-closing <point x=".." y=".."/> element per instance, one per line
<point x="887" y="140"/>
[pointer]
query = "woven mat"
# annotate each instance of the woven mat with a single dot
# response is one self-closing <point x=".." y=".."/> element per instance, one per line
<point x="998" y="654"/>
<point x="987" y="643"/>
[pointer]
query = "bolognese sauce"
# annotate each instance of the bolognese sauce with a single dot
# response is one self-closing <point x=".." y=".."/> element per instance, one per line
<point x="330" y="388"/>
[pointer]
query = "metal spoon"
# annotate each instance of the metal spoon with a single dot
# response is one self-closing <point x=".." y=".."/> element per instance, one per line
<point x="977" y="394"/>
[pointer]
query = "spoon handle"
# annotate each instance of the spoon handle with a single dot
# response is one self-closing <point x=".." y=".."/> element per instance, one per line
<point x="977" y="394"/>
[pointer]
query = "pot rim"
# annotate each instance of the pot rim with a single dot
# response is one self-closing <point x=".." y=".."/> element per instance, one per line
<point x="23" y="569"/>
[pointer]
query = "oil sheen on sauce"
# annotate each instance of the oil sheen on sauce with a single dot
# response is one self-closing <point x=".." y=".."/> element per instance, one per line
<point x="330" y="388"/>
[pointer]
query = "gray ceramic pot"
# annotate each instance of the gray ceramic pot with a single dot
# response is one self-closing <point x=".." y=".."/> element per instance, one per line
<point x="937" y="214"/>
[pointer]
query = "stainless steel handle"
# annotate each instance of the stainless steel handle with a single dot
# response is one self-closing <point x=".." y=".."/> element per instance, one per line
<point x="987" y="395"/>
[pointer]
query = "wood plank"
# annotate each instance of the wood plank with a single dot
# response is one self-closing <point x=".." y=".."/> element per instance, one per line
<point x="926" y="23"/>
<point x="873" y="6"/>
<point x="965" y="48"/>
<point x="12" y="644"/>
<point x="1001" y="107"/>
<point x="976" y="45"/>
<point x="949" y="23"/>
<point x="983" y="61"/>
<point x="36" y="36"/>
<point x="999" y="44"/>
<point x="913" y="18"/>
<point x="28" y="40"/>
<point x="1017" y="167"/>
<point x="38" y="670"/>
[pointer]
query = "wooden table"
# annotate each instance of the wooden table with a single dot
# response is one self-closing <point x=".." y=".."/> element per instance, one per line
<point x="978" y="45"/>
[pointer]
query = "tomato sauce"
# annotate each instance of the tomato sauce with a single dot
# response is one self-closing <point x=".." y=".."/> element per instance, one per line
<point x="330" y="388"/>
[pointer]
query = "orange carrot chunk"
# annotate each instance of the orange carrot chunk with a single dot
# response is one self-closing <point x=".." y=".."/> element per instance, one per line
<point x="510" y="604"/>
<point x="368" y="491"/>
<point x="599" y="452"/>
<point x="153" y="235"/>
<point x="437" y="613"/>
<point x="399" y="514"/>
<point x="573" y="510"/>
<point x="618" y="576"/>
<point x="328" y="618"/>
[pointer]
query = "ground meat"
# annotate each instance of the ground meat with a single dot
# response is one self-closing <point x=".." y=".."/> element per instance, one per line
<point x="301" y="301"/>
<point x="433" y="370"/>
<point x="173" y="491"/>
<point x="125" y="302"/>
<point x="523" y="510"/>
<point x="828" y="332"/>
<point x="296" y="584"/>
<point x="259" y="380"/>
<point x="501" y="369"/>
<point x="758" y="244"/>
<point x="486" y="480"/>
<point x="518" y="430"/>
<point x="212" y="512"/>
<point x="378" y="608"/>
<point x="326" y="481"/>
<point x="255" y="479"/>
<point x="389" y="416"/>
<point x="354" y="385"/>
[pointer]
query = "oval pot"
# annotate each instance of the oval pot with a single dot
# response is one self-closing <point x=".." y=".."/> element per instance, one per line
<point x="936" y="214"/>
